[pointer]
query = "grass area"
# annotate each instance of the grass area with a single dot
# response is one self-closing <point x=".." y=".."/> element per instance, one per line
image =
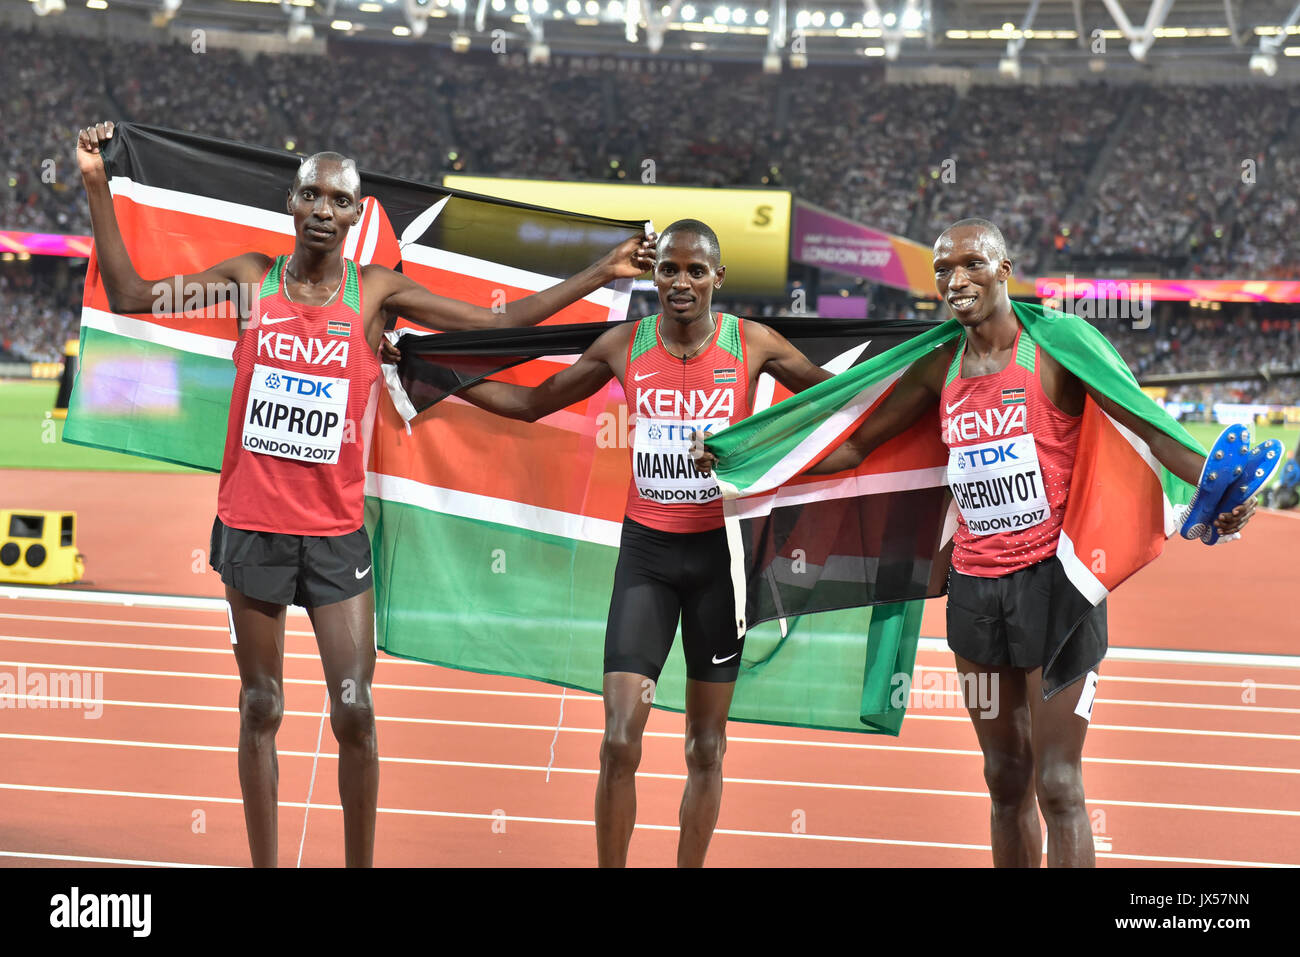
<point x="1207" y="432"/>
<point x="30" y="439"/>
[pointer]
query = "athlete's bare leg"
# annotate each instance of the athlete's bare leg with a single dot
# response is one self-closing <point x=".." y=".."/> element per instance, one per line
<point x="627" y="708"/>
<point x="346" y="638"/>
<point x="1006" y="741"/>
<point x="259" y="653"/>
<point x="1058" y="772"/>
<point x="707" y="704"/>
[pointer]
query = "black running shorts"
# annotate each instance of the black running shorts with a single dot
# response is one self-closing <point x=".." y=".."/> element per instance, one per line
<point x="1029" y="619"/>
<point x="665" y="576"/>
<point x="306" y="570"/>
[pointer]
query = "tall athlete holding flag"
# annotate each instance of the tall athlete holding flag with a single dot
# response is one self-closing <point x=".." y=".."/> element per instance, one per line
<point x="684" y="369"/>
<point x="290" y="504"/>
<point x="1010" y="415"/>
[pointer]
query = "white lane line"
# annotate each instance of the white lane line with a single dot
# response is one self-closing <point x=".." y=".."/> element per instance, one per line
<point x="34" y="856"/>
<point x="907" y="749"/>
<point x="732" y="832"/>
<point x="313" y="682"/>
<point x="661" y="775"/>
<point x="128" y="599"/>
<point x="223" y="649"/>
<point x="69" y="701"/>
<point x="147" y="672"/>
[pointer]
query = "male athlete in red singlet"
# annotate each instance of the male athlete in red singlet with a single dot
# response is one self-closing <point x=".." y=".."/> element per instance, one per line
<point x="1010" y="418"/>
<point x="291" y="501"/>
<point x="687" y="368"/>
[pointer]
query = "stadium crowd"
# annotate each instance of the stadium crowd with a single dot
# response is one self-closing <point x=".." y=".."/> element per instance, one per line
<point x="1196" y="178"/>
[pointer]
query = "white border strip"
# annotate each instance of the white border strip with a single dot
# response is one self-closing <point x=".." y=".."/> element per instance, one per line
<point x="195" y="205"/>
<point x="140" y="330"/>
<point x="499" y="511"/>
<point x="489" y="271"/>
<point x="848" y="486"/>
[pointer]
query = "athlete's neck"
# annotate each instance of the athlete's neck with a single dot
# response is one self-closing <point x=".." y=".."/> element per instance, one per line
<point x="685" y="339"/>
<point x="994" y="334"/>
<point x="310" y="266"/>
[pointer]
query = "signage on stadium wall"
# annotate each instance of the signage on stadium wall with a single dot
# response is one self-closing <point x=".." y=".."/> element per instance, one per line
<point x="753" y="225"/>
<point x="828" y="241"/>
<point x="44" y="244"/>
<point x="1169" y="290"/>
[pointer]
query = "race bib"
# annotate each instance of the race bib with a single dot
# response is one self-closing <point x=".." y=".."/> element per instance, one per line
<point x="998" y="485"/>
<point x="295" y="415"/>
<point x="661" y="460"/>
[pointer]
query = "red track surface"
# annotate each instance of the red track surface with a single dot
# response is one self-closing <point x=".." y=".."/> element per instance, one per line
<point x="1185" y="763"/>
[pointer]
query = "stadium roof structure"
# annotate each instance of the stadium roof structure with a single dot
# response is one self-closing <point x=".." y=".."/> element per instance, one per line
<point x="1064" y="36"/>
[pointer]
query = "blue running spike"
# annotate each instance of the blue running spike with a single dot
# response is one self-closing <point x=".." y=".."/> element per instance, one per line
<point x="1225" y="463"/>
<point x="1265" y="459"/>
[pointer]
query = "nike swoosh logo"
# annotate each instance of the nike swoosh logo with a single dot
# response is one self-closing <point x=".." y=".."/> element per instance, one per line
<point x="362" y="574"/>
<point x="955" y="404"/>
<point x="638" y="378"/>
<point x="268" y="321"/>
<point x="723" y="661"/>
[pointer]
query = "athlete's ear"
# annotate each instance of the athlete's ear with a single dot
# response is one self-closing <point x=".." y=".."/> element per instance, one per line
<point x="1004" y="270"/>
<point x="721" y="273"/>
<point x="288" y="200"/>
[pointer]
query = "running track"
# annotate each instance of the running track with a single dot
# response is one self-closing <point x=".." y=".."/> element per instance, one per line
<point x="1190" y="760"/>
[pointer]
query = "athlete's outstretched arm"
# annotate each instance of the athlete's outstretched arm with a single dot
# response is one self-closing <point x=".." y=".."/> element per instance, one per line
<point x="773" y="354"/>
<point x="1173" y="455"/>
<point x="593" y="369"/>
<point x="127" y="291"/>
<point x="917" y="390"/>
<point x="402" y="296"/>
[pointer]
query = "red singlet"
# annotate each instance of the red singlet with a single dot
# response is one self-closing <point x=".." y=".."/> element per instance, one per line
<point x="301" y="414"/>
<point x="669" y="397"/>
<point x="1011" y="455"/>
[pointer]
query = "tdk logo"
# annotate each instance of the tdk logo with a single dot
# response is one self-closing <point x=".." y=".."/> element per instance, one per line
<point x="296" y="385"/>
<point x="986" y="455"/>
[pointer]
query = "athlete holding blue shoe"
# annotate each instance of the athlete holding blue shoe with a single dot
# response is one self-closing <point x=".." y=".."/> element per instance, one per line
<point x="1007" y="625"/>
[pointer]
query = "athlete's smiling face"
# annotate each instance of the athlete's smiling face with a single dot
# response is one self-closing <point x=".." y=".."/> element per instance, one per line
<point x="686" y="273"/>
<point x="325" y="202"/>
<point x="970" y="272"/>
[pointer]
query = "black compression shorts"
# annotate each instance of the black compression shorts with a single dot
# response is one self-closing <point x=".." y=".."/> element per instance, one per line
<point x="306" y="570"/>
<point x="1025" y="620"/>
<point x="664" y="576"/>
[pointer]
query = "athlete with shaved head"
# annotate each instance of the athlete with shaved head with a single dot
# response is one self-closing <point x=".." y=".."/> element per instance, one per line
<point x="290" y="505"/>
<point x="687" y="368"/>
<point x="1000" y="392"/>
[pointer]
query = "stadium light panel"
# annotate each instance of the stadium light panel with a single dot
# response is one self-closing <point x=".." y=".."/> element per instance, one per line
<point x="1009" y="67"/>
<point x="890" y="20"/>
<point x="772" y="63"/>
<point x="818" y="18"/>
<point x="460" y="42"/>
<point x="541" y="6"/>
<point x="688" y="12"/>
<point x="722" y="14"/>
<point x="761" y="18"/>
<point x="499" y="5"/>
<point x="401" y="31"/>
<point x="911" y="19"/>
<point x="739" y="15"/>
<point x="837" y="19"/>
<point x="1263" y="64"/>
<point x="615" y="9"/>
<point x="573" y="7"/>
<point x="801" y="19"/>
